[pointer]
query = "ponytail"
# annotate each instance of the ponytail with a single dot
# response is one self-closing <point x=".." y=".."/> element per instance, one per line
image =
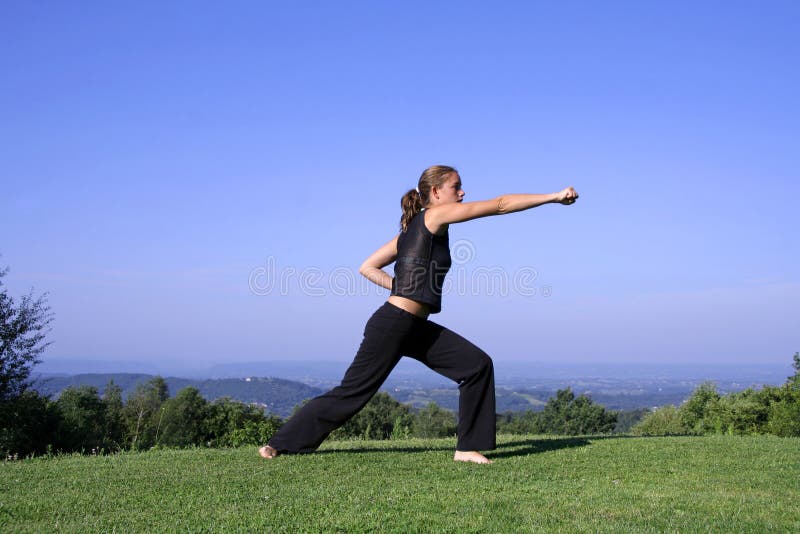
<point x="411" y="204"/>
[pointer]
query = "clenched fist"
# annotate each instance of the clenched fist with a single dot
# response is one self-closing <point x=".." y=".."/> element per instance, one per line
<point x="567" y="196"/>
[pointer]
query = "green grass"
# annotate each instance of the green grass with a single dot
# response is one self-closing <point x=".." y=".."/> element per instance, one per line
<point x="608" y="484"/>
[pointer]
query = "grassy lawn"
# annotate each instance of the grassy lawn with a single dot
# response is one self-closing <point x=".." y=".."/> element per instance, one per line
<point x="537" y="483"/>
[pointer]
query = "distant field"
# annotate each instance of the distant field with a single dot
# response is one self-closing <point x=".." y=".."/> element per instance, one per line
<point x="617" y="484"/>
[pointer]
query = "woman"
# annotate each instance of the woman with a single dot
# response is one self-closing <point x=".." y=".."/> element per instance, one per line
<point x="401" y="327"/>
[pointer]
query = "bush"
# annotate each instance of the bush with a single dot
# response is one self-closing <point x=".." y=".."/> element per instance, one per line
<point x="28" y="425"/>
<point x="774" y="410"/>
<point x="376" y="420"/>
<point x="626" y="419"/>
<point x="784" y="414"/>
<point x="182" y="419"/>
<point x="665" y="421"/>
<point x="226" y="421"/>
<point x="564" y="414"/>
<point x="570" y="415"/>
<point x="142" y="413"/>
<point x="784" y="419"/>
<point x="519" y="423"/>
<point x="82" y="425"/>
<point x="694" y="410"/>
<point x="743" y="413"/>
<point x="254" y="432"/>
<point x="434" y="422"/>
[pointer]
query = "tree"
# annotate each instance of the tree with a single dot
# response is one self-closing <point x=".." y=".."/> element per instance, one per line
<point x="255" y="432"/>
<point x="82" y="419"/>
<point x="223" y="416"/>
<point x="694" y="410"/>
<point x="376" y="420"/>
<point x="567" y="414"/>
<point x="142" y="412"/>
<point x="183" y="417"/>
<point x="114" y="422"/>
<point x="230" y="423"/>
<point x="519" y="423"/>
<point x="23" y="329"/>
<point x="665" y="421"/>
<point x="784" y="415"/>
<point x="794" y="380"/>
<point x="28" y="424"/>
<point x="434" y="421"/>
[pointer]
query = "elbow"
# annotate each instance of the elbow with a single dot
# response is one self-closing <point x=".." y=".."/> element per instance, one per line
<point x="364" y="269"/>
<point x="501" y="206"/>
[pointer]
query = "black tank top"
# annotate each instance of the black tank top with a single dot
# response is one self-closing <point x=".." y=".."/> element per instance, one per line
<point x="423" y="260"/>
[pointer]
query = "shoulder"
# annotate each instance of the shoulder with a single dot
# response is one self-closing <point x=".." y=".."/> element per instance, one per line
<point x="431" y="224"/>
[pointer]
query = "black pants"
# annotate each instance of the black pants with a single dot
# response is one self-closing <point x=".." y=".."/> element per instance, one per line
<point x="390" y="334"/>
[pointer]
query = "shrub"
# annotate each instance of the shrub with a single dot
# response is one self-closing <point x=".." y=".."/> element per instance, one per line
<point x="434" y="422"/>
<point x="82" y="425"/>
<point x="743" y="413"/>
<point x="570" y="415"/>
<point x="784" y="414"/>
<point x="28" y="425"/>
<point x="182" y="421"/>
<point x="664" y="421"/>
<point x="230" y="423"/>
<point x="376" y="420"/>
<point x="254" y="432"/>
<point x="694" y="410"/>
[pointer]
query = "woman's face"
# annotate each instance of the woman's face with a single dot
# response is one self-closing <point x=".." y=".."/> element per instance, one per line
<point x="450" y="191"/>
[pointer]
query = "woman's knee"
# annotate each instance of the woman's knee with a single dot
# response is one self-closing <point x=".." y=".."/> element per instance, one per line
<point x="486" y="363"/>
<point x="482" y="362"/>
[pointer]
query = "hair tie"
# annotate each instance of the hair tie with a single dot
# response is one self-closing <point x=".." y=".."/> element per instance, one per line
<point x="417" y="189"/>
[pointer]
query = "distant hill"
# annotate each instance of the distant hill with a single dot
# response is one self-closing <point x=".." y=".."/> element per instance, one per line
<point x="277" y="395"/>
<point x="507" y="400"/>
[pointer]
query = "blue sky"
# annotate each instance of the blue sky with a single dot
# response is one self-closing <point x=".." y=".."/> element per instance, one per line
<point x="159" y="160"/>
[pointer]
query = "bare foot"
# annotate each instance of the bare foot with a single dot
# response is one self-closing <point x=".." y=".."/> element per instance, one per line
<point x="268" y="452"/>
<point x="471" y="456"/>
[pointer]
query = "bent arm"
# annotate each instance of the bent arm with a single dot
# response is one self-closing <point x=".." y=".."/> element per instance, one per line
<point x="445" y="214"/>
<point x="372" y="268"/>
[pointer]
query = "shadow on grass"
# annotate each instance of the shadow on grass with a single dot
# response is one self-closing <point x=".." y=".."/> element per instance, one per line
<point x="535" y="446"/>
<point x="359" y="450"/>
<point x="507" y="449"/>
<point x="525" y="447"/>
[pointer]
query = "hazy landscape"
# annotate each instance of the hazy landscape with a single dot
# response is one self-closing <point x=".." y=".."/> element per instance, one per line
<point x="280" y="385"/>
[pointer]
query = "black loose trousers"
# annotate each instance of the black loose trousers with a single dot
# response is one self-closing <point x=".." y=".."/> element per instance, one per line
<point x="390" y="334"/>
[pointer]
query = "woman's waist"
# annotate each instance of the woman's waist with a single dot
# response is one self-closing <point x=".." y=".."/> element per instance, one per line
<point x="420" y="309"/>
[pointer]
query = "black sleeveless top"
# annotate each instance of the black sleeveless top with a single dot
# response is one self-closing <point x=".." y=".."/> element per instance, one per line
<point x="423" y="260"/>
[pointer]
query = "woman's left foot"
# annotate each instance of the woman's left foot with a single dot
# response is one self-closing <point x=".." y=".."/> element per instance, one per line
<point x="268" y="452"/>
<point x="471" y="456"/>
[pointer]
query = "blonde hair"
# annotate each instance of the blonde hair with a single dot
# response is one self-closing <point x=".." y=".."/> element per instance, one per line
<point x="416" y="199"/>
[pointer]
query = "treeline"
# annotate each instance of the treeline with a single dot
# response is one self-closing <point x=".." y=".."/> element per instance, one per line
<point x="769" y="410"/>
<point x="83" y="421"/>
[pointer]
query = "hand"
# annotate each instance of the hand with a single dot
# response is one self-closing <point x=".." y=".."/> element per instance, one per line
<point x="567" y="196"/>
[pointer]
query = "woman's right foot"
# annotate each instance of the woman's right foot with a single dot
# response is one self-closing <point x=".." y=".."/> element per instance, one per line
<point x="471" y="456"/>
<point x="268" y="452"/>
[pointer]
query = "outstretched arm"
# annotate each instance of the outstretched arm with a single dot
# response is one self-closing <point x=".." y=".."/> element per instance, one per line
<point x="372" y="268"/>
<point x="442" y="215"/>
